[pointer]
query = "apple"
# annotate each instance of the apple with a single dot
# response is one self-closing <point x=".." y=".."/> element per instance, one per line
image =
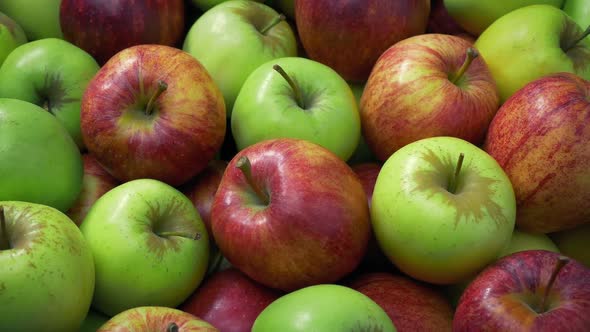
<point x="533" y="290"/>
<point x="156" y="318"/>
<point x="103" y="28"/>
<point x="411" y="305"/>
<point x="38" y="18"/>
<point x="153" y="111"/>
<point x="579" y="11"/>
<point x="349" y="36"/>
<point x="539" y="138"/>
<point x="362" y="153"/>
<point x="290" y="214"/>
<point x="36" y="72"/>
<point x="40" y="162"/>
<point x="145" y="236"/>
<point x="297" y="98"/>
<point x="205" y="5"/>
<point x="47" y="274"/>
<point x="442" y="209"/>
<point x="230" y="301"/>
<point x="425" y="86"/>
<point x="440" y="21"/>
<point x="574" y="243"/>
<point x="93" y="321"/>
<point x="95" y="183"/>
<point x="234" y="38"/>
<point x="532" y="42"/>
<point x="11" y="36"/>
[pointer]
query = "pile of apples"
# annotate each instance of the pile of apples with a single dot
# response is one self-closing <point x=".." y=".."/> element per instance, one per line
<point x="294" y="165"/>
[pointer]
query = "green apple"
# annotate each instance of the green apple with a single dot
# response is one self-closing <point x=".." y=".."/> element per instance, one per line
<point x="150" y="246"/>
<point x="579" y="10"/>
<point x="532" y="42"/>
<point x="40" y="162"/>
<point x="521" y="241"/>
<point x="38" y="18"/>
<point x="362" y="153"/>
<point x="37" y="72"/>
<point x="234" y="38"/>
<point x="205" y="5"/>
<point x="297" y="98"/>
<point x="442" y="209"/>
<point x="93" y="321"/>
<point x="11" y="36"/>
<point x="322" y="308"/>
<point x="476" y="15"/>
<point x="46" y="269"/>
<point x="574" y="243"/>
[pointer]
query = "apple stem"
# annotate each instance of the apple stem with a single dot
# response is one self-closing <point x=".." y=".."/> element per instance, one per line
<point x="4" y="240"/>
<point x="280" y="18"/>
<point x="471" y="55"/>
<point x="246" y="167"/>
<point x="162" y="86"/>
<point x="195" y="236"/>
<point x="294" y="87"/>
<point x="454" y="179"/>
<point x="172" y="327"/>
<point x="561" y="262"/>
<point x="579" y="39"/>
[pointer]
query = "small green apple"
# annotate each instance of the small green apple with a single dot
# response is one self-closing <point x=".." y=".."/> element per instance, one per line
<point x="38" y="18"/>
<point x="579" y="11"/>
<point x="322" y="308"/>
<point x="574" y="243"/>
<point x="522" y="241"/>
<point x="11" y="36"/>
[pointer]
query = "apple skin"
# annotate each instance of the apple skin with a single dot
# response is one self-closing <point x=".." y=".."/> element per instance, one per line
<point x="441" y="22"/>
<point x="412" y="77"/>
<point x="329" y="30"/>
<point x="579" y="11"/>
<point x="430" y="233"/>
<point x="103" y="28"/>
<point x="539" y="139"/>
<point x="11" y="36"/>
<point x="411" y="305"/>
<point x="158" y="240"/>
<point x="155" y="318"/>
<point x="230" y="301"/>
<point x="172" y="144"/>
<point x="315" y="228"/>
<point x="506" y="296"/>
<point x="205" y="5"/>
<point x="36" y="72"/>
<point x="521" y="47"/>
<point x="38" y="18"/>
<point x="574" y="243"/>
<point x="47" y="275"/>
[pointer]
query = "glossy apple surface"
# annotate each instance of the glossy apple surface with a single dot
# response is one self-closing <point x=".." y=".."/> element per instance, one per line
<point x="11" y="36"/>
<point x="38" y="18"/>
<point x="579" y="11"/>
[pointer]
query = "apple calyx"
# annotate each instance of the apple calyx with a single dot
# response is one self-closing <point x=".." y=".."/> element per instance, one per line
<point x="561" y="262"/>
<point x="471" y="55"/>
<point x="246" y="167"/>
<point x="294" y="87"/>
<point x="162" y="86"/>
<point x="577" y="40"/>
<point x="4" y="240"/>
<point x="278" y="19"/>
<point x="195" y="236"/>
<point x="172" y="327"/>
<point x="455" y="179"/>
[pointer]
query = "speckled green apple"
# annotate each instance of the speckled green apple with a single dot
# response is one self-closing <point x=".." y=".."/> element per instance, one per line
<point x="11" y="36"/>
<point x="47" y="270"/>
<point x="38" y="18"/>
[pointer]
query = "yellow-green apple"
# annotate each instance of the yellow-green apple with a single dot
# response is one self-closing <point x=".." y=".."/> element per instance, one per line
<point x="103" y="28"/>
<point x="38" y="18"/>
<point x="47" y="270"/>
<point x="297" y="98"/>
<point x="330" y="29"/>
<point x="411" y="305"/>
<point x="323" y="308"/>
<point x="540" y="138"/>
<point x="153" y="111"/>
<point x="230" y="301"/>
<point x="234" y="38"/>
<point x="156" y="319"/>
<point x="443" y="69"/>
<point x="150" y="246"/>
<point x="574" y="243"/>
<point x="533" y="290"/>
<point x="11" y="36"/>
<point x="96" y="181"/>
<point x="579" y="11"/>
<point x="40" y="162"/>
<point x="442" y="209"/>
<point x="36" y="72"/>
<point x="290" y="213"/>
<point x="532" y="42"/>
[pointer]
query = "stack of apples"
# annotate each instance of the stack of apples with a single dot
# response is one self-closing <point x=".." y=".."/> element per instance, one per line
<point x="294" y="165"/>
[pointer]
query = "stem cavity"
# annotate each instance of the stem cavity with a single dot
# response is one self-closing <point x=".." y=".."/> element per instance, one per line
<point x="272" y="23"/>
<point x="246" y="167"/>
<point x="162" y="86"/>
<point x="471" y="55"/>
<point x="577" y="40"/>
<point x="192" y="236"/>
<point x="4" y="239"/>
<point x="294" y="87"/>
<point x="561" y="262"/>
<point x="455" y="179"/>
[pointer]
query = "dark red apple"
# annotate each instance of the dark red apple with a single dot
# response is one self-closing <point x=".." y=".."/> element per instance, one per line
<point x="230" y="301"/>
<point x="349" y="35"/>
<point x="441" y="22"/>
<point x="105" y="27"/>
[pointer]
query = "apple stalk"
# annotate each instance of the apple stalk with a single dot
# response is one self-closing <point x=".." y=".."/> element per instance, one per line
<point x="455" y="179"/>
<point x="191" y="236"/>
<point x="272" y="23"/>
<point x="471" y="55"/>
<point x="561" y="262"/>
<point x="246" y="167"/>
<point x="162" y="86"/>
<point x="579" y="39"/>
<point x="294" y="87"/>
<point x="4" y="240"/>
<point x="172" y="327"/>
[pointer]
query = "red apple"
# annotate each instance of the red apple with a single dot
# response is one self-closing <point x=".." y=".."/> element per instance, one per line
<point x="105" y="27"/>
<point x="411" y="305"/>
<point x="425" y="86"/>
<point x="95" y="183"/>
<point x="153" y="111"/>
<point x="540" y="137"/>
<point x="152" y="318"/>
<point x="533" y="290"/>
<point x="441" y="22"/>
<point x="230" y="301"/>
<point x="290" y="214"/>
<point x="349" y="35"/>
